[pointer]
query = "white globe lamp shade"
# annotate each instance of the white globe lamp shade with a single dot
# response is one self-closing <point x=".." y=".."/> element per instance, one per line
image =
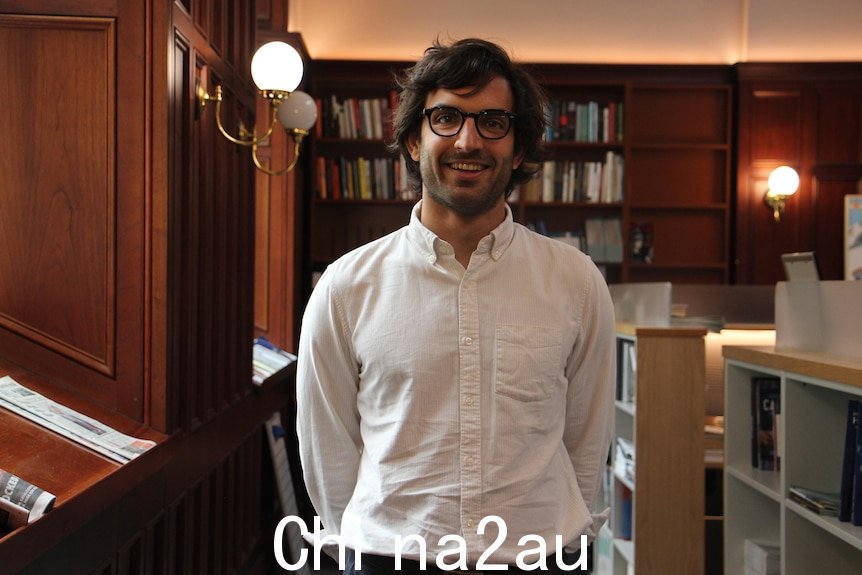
<point x="783" y="181"/>
<point x="299" y="111"/>
<point x="276" y="66"/>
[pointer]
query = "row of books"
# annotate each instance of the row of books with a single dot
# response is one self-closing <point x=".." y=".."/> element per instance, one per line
<point x="846" y="504"/>
<point x="600" y="238"/>
<point x="363" y="179"/>
<point x="371" y="118"/>
<point x="585" y="122"/>
<point x="577" y="181"/>
<point x="355" y="118"/>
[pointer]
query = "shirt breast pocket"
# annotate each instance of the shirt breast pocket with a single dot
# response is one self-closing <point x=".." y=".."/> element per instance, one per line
<point x="528" y="366"/>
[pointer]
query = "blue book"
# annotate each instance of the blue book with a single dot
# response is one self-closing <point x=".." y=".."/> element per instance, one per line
<point x="846" y="506"/>
<point x="856" y="510"/>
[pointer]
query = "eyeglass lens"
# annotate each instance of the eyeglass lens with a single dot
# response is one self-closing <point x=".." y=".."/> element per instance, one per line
<point x="491" y="124"/>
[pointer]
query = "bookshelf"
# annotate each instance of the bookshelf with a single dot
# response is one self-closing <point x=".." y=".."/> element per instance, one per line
<point x="670" y="378"/>
<point x="679" y="165"/>
<point x="819" y="368"/>
<point x="665" y="129"/>
<point x="664" y="423"/>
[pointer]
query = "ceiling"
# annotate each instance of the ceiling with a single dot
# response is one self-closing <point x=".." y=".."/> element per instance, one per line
<point x="610" y="31"/>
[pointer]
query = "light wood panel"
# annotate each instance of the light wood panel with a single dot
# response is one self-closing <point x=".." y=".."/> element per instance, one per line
<point x="669" y="509"/>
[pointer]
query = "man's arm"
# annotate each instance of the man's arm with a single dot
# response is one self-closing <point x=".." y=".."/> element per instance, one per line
<point x="592" y="373"/>
<point x="327" y="417"/>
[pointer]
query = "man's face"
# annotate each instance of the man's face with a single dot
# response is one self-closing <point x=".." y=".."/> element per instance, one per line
<point x="466" y="173"/>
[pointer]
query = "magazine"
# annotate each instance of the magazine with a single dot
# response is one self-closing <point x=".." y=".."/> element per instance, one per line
<point x="21" y="502"/>
<point x="70" y="423"/>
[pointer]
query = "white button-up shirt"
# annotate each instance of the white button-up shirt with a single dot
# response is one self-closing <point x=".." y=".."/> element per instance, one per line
<point x="430" y="396"/>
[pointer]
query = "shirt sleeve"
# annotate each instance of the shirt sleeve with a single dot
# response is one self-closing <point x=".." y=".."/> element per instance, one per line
<point x="327" y="417"/>
<point x="592" y="373"/>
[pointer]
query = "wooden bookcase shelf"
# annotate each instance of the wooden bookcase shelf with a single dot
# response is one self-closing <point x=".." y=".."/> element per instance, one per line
<point x="674" y="142"/>
<point x="815" y="389"/>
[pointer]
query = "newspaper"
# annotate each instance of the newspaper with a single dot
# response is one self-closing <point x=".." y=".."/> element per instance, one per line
<point x="70" y="423"/>
<point x="21" y="502"/>
<point x="267" y="360"/>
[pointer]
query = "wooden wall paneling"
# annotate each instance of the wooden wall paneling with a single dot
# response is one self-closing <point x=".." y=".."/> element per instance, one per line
<point x="163" y="75"/>
<point x="770" y="135"/>
<point x="837" y="170"/>
<point x="272" y="15"/>
<point x="80" y="318"/>
<point x="215" y="226"/>
<point x="809" y="116"/>
<point x="57" y="269"/>
<point x="838" y="128"/>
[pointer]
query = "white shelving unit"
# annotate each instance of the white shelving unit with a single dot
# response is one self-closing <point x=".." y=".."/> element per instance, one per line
<point x="819" y="372"/>
<point x="665" y="390"/>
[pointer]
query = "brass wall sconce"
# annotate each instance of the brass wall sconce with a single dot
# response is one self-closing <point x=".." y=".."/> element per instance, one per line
<point x="276" y="69"/>
<point x="783" y="183"/>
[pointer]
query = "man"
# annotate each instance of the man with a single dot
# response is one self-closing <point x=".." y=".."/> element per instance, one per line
<point x="461" y="368"/>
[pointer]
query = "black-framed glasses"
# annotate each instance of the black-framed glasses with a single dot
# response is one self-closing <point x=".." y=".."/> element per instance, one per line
<point x="447" y="121"/>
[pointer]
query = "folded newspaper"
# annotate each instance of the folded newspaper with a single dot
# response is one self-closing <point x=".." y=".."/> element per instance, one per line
<point x="268" y="360"/>
<point x="70" y="423"/>
<point x="21" y="502"/>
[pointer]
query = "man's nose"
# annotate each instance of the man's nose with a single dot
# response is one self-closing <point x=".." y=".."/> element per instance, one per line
<point x="468" y="138"/>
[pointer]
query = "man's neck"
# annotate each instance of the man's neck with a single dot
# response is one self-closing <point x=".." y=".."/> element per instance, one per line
<point x="463" y="233"/>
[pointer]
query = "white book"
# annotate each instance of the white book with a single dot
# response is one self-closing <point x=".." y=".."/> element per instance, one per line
<point x="548" y="181"/>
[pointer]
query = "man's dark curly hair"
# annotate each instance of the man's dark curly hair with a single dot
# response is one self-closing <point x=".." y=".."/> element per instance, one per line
<point x="470" y="62"/>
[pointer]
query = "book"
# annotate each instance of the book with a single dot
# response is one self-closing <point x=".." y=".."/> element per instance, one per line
<point x="820" y="502"/>
<point x="849" y="461"/>
<point x="856" y="504"/>
<point x="767" y="392"/>
<point x="21" y="502"/>
<point x="625" y="528"/>
<point x="641" y="242"/>
<point x="762" y="557"/>
<point x="624" y="459"/>
<point x="627" y="390"/>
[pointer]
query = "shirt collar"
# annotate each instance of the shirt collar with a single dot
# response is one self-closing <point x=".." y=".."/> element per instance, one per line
<point x="428" y="242"/>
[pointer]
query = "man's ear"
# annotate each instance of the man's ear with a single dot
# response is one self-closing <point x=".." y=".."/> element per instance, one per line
<point x="413" y="145"/>
<point x="517" y="159"/>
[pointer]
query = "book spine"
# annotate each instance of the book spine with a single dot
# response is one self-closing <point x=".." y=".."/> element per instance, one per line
<point x="766" y="401"/>
<point x="852" y="430"/>
<point x="856" y="509"/>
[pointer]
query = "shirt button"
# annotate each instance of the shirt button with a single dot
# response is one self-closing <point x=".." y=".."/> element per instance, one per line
<point x="470" y="461"/>
<point x="468" y="401"/>
<point x="469" y="523"/>
<point x="468" y="341"/>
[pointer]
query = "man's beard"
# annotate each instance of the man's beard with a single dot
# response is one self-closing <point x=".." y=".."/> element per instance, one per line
<point x="478" y="202"/>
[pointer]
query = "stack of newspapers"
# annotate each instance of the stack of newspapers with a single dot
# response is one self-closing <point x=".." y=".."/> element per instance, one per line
<point x="69" y="423"/>
<point x="267" y="360"/>
<point x="762" y="558"/>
